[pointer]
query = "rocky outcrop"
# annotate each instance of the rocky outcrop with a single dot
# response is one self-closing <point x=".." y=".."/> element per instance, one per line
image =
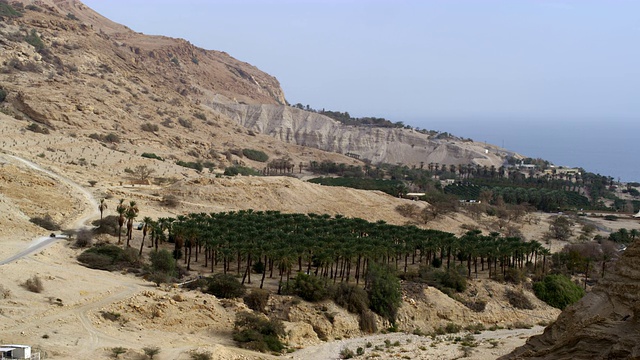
<point x="386" y="145"/>
<point x="602" y="325"/>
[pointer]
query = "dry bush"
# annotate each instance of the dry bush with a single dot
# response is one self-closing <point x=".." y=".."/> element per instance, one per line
<point x="45" y="222"/>
<point x="34" y="284"/>
<point x="257" y="299"/>
<point x="4" y="293"/>
<point x="519" y="300"/>
<point x="149" y="127"/>
<point x="407" y="210"/>
<point x="84" y="238"/>
<point x="367" y="322"/>
<point x="170" y="201"/>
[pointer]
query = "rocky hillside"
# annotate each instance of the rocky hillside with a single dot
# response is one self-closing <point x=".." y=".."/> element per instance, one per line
<point x="386" y="145"/>
<point x="68" y="68"/>
<point x="602" y="325"/>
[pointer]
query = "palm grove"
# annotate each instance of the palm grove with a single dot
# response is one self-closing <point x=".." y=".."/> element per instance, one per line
<point x="331" y="250"/>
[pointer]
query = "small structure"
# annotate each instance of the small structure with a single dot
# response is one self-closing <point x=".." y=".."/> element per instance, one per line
<point x="414" y="196"/>
<point x="16" y="352"/>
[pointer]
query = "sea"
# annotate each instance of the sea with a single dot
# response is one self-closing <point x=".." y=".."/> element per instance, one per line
<point x="606" y="147"/>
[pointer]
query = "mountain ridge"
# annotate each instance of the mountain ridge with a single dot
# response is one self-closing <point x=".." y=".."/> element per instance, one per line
<point x="128" y="78"/>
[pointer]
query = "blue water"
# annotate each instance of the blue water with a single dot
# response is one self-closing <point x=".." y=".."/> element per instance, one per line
<point x="606" y="147"/>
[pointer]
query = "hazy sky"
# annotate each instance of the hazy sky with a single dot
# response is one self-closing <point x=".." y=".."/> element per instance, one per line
<point x="417" y="60"/>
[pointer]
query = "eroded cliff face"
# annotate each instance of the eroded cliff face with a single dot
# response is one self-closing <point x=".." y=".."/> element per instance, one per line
<point x="386" y="145"/>
<point x="602" y="325"/>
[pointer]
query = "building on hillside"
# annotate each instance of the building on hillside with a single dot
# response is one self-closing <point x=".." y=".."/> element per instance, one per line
<point x="562" y="170"/>
<point x="524" y="166"/>
<point x="414" y="196"/>
<point x="21" y="352"/>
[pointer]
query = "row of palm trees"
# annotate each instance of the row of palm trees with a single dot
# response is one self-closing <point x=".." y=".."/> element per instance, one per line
<point x="127" y="213"/>
<point x="335" y="248"/>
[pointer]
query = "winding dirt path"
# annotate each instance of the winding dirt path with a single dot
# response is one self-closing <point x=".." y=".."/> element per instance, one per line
<point x="118" y="288"/>
<point x="90" y="210"/>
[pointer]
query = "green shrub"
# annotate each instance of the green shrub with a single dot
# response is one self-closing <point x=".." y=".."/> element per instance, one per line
<point x="117" y="351"/>
<point x="256" y="332"/>
<point x="224" y="286"/>
<point x="185" y="122"/>
<point x="8" y="11"/>
<point x="241" y="170"/>
<point x="558" y="291"/>
<point x="351" y="297"/>
<point x="385" y="293"/>
<point x="108" y="257"/>
<point x="95" y="261"/>
<point x="162" y="261"/>
<point x="196" y="355"/>
<point x="308" y="287"/>
<point x="255" y="155"/>
<point x="258" y="267"/>
<point x="108" y="225"/>
<point x="190" y="164"/>
<point x="151" y="351"/>
<point x="391" y="187"/>
<point x="452" y="328"/>
<point x="110" y="315"/>
<point x="3" y="94"/>
<point x="201" y="116"/>
<point x="257" y="299"/>
<point x="451" y="278"/>
<point x="151" y="156"/>
<point x="347" y="353"/>
<point x="34" y="40"/>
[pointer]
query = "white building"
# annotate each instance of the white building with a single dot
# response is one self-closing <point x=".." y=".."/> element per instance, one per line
<point x="22" y="352"/>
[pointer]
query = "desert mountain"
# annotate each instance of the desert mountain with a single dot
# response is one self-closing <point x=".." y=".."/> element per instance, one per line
<point x="68" y="68"/>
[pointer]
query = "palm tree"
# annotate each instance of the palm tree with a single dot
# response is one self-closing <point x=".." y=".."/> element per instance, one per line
<point x="121" y="209"/>
<point x="102" y="207"/>
<point x="148" y="225"/>
<point x="130" y="214"/>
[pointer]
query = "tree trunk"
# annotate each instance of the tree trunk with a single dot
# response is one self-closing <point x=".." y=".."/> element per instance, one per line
<point x="264" y="271"/>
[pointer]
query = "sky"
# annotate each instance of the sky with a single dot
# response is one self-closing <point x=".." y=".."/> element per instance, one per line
<point x="475" y="68"/>
<point x="418" y="59"/>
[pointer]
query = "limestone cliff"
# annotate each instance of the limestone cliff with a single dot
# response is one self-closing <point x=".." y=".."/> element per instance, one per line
<point x="602" y="325"/>
<point x="387" y="145"/>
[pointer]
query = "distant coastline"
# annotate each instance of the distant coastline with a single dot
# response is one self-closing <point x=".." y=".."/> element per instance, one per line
<point x="605" y="147"/>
